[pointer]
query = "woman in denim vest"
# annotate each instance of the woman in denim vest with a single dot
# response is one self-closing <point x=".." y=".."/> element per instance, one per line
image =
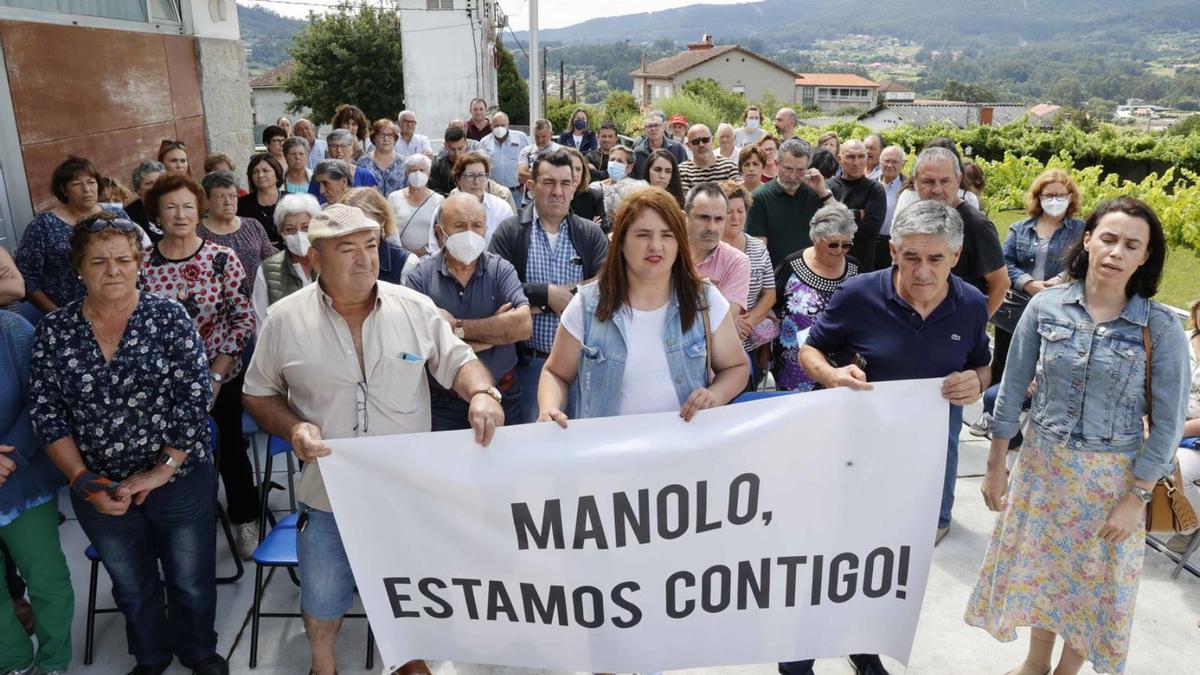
<point x="1065" y="557"/>
<point x="634" y="341"/>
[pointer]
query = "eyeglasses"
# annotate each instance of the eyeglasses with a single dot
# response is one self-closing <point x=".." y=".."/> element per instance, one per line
<point x="476" y="177"/>
<point x="119" y="224"/>
<point x="835" y="245"/>
<point x="702" y="140"/>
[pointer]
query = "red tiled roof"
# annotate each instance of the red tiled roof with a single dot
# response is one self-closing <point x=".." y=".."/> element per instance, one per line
<point x="673" y="65"/>
<point x="274" y="76"/>
<point x="833" y="80"/>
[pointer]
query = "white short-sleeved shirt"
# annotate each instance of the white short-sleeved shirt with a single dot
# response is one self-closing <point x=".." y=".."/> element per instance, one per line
<point x="909" y="197"/>
<point x="646" y="386"/>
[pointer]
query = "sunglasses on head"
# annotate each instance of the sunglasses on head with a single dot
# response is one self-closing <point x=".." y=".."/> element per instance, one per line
<point x="119" y="224"/>
<point x="835" y="245"/>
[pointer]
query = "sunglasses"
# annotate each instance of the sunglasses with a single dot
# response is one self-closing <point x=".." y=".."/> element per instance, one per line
<point x="119" y="224"/>
<point x="835" y="245"/>
<point x="703" y="140"/>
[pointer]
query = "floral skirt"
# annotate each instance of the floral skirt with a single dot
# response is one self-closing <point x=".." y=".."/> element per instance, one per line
<point x="1046" y="567"/>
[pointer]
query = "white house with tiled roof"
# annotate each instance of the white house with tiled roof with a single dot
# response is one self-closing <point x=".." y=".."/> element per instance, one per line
<point x="835" y="91"/>
<point x="736" y="68"/>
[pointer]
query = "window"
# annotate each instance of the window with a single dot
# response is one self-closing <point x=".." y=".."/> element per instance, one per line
<point x="125" y="10"/>
<point x="845" y="92"/>
<point x="439" y="4"/>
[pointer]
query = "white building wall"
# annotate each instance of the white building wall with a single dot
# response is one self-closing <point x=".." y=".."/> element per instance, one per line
<point x="881" y="120"/>
<point x="735" y="69"/>
<point x="447" y="60"/>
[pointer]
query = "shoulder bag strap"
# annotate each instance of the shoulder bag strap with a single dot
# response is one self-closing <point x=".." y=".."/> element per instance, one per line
<point x="707" y="337"/>
<point x="413" y="215"/>
<point x="1149" y="389"/>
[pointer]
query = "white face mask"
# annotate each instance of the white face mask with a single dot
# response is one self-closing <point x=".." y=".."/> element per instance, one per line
<point x="752" y="124"/>
<point x="465" y="246"/>
<point x="500" y="132"/>
<point x="1055" y="206"/>
<point x="297" y="243"/>
<point x="418" y="179"/>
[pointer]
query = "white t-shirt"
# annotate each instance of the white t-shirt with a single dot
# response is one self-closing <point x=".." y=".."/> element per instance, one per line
<point x="646" y="386"/>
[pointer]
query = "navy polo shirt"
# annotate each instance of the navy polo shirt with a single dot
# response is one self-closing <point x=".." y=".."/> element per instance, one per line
<point x="866" y="316"/>
<point x="493" y="285"/>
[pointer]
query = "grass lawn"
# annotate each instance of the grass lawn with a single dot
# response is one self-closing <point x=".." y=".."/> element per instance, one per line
<point x="1181" y="279"/>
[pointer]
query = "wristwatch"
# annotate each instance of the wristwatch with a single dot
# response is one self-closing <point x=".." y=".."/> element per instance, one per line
<point x="490" y="391"/>
<point x="1145" y="495"/>
<point x="459" y="331"/>
<point x="166" y="459"/>
<point x="217" y="377"/>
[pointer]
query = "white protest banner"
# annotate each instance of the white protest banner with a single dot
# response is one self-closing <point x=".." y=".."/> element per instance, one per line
<point x="793" y="527"/>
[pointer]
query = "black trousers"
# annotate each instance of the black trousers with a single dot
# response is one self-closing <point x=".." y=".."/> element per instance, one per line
<point x="883" y="253"/>
<point x="232" y="459"/>
<point x="1000" y="353"/>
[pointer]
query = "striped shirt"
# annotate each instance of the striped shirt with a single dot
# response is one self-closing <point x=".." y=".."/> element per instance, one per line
<point x="762" y="273"/>
<point x="721" y="169"/>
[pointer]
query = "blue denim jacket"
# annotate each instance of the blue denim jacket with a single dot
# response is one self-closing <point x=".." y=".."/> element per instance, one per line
<point x="602" y="356"/>
<point x="1020" y="249"/>
<point x="1091" y="386"/>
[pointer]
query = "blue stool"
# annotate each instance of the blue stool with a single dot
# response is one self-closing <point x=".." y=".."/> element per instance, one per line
<point x="88" y="641"/>
<point x="278" y="549"/>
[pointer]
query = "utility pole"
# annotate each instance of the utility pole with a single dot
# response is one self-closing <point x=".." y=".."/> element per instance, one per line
<point x="562" y="84"/>
<point x="545" y="56"/>
<point x="574" y="90"/>
<point x="535" y="72"/>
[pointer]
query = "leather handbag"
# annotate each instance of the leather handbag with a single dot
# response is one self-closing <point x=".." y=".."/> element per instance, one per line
<point x="1010" y="310"/>
<point x="1169" y="511"/>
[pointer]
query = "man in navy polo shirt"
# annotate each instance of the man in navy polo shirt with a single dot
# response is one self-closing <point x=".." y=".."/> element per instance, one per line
<point x="912" y="320"/>
<point x="480" y="295"/>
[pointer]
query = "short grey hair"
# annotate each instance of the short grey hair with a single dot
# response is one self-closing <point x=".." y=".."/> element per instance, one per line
<point x="340" y="136"/>
<point x="929" y="217"/>
<point x="293" y="141"/>
<point x="145" y="168"/>
<point x="218" y="179"/>
<point x="796" y="147"/>
<point x="937" y="155"/>
<point x="418" y="161"/>
<point x="335" y="169"/>
<point x="543" y="124"/>
<point x="708" y="189"/>
<point x="296" y="202"/>
<point x="833" y="220"/>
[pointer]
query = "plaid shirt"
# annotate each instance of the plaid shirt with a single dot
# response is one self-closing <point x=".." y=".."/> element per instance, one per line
<point x="560" y="266"/>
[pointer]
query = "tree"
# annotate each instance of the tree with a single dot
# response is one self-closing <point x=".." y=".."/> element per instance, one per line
<point x="971" y="93"/>
<point x="620" y="107"/>
<point x="514" y="94"/>
<point x="350" y="55"/>
<point x="710" y="91"/>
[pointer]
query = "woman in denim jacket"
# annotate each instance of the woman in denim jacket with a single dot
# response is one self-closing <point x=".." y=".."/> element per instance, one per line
<point x="634" y="342"/>
<point x="1065" y="557"/>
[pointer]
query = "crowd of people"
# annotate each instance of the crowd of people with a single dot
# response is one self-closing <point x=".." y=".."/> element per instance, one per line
<point x="365" y="284"/>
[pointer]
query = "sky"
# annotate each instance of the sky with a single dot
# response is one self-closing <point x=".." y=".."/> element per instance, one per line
<point x="551" y="13"/>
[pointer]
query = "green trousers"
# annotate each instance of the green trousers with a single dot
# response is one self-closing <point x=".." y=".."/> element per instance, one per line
<point x="32" y="541"/>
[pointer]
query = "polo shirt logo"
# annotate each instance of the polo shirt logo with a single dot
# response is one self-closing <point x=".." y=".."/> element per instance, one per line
<point x="955" y="337"/>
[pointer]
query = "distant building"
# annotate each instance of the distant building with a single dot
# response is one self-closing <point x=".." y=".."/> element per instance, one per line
<point x="1045" y="114"/>
<point x="895" y="92"/>
<point x="270" y="101"/>
<point x="109" y="81"/>
<point x="955" y="113"/>
<point x="451" y="55"/>
<point x="835" y="91"/>
<point x="735" y="68"/>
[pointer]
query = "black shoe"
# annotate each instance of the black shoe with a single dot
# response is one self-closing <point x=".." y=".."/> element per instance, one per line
<point x="867" y="664"/>
<point x="213" y="665"/>
<point x="150" y="669"/>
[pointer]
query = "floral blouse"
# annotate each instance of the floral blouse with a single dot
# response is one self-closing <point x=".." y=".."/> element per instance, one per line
<point x="209" y="284"/>
<point x="250" y="242"/>
<point x="44" y="258"/>
<point x="154" y="393"/>
<point x="387" y="180"/>
<point x="802" y="297"/>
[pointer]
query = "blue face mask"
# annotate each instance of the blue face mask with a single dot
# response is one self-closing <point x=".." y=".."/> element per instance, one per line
<point x="581" y="124"/>
<point x="616" y="170"/>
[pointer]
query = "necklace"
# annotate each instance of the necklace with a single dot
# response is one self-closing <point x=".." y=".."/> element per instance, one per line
<point x="96" y="328"/>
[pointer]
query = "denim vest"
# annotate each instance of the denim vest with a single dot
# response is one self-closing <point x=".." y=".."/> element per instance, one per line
<point x="603" y="351"/>
<point x="1021" y="245"/>
<point x="1091" y="378"/>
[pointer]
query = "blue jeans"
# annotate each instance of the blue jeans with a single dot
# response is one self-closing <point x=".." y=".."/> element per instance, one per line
<point x="956" y="413"/>
<point x="989" y="404"/>
<point x="174" y="527"/>
<point x="448" y="414"/>
<point x="328" y="587"/>
<point x="529" y="371"/>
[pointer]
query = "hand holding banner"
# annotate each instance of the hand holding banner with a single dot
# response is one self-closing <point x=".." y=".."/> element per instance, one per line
<point x="793" y="527"/>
